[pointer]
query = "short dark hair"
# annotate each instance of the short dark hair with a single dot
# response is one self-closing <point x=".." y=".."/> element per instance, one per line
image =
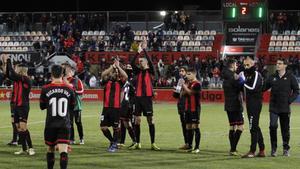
<point x="285" y="61"/>
<point x="192" y="70"/>
<point x="183" y="67"/>
<point x="56" y="71"/>
<point x="230" y="62"/>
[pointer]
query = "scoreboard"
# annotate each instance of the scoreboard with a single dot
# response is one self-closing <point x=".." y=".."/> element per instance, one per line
<point x="242" y="10"/>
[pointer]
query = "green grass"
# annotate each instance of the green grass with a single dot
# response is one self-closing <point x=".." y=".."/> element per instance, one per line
<point x="214" y="143"/>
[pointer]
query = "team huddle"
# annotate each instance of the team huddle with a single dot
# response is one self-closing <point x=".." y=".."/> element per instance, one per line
<point x="128" y="94"/>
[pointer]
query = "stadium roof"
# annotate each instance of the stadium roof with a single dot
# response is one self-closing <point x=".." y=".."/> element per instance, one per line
<point x="127" y="5"/>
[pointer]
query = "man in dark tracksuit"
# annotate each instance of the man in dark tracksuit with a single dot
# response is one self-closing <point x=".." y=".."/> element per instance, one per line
<point x="253" y="91"/>
<point x="233" y="85"/>
<point x="177" y="93"/>
<point x="284" y="90"/>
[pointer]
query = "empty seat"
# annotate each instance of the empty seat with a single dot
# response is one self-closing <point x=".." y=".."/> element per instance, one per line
<point x="272" y="43"/>
<point x="197" y="43"/>
<point x="206" y="32"/>
<point x="144" y="32"/>
<point x="16" y="44"/>
<point x="285" y="43"/>
<point x="96" y="33"/>
<point x="271" y="49"/>
<point x="4" y="43"/>
<point x="213" y="32"/>
<point x="198" y="37"/>
<point x="191" y="43"/>
<point x="279" y="37"/>
<point x="211" y="37"/>
<point x="204" y="37"/>
<point x="138" y="33"/>
<point x="180" y="37"/>
<point x="278" y="43"/>
<point x="39" y="33"/>
<point x="200" y="32"/>
<point x="286" y="37"/>
<point x="190" y="48"/>
<point x="291" y="43"/>
<point x="290" y="48"/>
<point x="208" y="48"/>
<point x="185" y="43"/>
<point x="102" y="33"/>
<point x="84" y="33"/>
<point x="293" y="32"/>
<point x="175" y="32"/>
<point x="181" y="33"/>
<point x="297" y="48"/>
<point x="273" y="37"/>
<point x="202" y="48"/>
<point x="22" y="44"/>
<point x="297" y="43"/>
<point x="284" y="49"/>
<point x="25" y="49"/>
<point x="10" y="44"/>
<point x="287" y="32"/>
<point x="33" y="33"/>
<point x="196" y="48"/>
<point x="292" y="37"/>
<point x="274" y="32"/>
<point x="186" y="38"/>
<point x="183" y="48"/>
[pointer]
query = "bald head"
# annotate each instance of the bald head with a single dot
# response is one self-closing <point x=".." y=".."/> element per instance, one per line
<point x="248" y="62"/>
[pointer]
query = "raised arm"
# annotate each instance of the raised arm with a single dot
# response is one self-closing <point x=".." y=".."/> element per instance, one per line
<point x="11" y="74"/>
<point x="135" y="69"/>
<point x="106" y="72"/>
<point x="122" y="72"/>
<point x="151" y="67"/>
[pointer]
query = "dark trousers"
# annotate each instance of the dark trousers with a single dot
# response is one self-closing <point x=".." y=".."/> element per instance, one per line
<point x="77" y="116"/>
<point x="284" y="119"/>
<point x="253" y="111"/>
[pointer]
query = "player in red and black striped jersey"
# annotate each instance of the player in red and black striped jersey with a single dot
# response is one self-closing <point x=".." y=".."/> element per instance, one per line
<point x="20" y="102"/>
<point x="192" y="91"/>
<point x="144" y="95"/>
<point x="113" y="79"/>
<point x="59" y="99"/>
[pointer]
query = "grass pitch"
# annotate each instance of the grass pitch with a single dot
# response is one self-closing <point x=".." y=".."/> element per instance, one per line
<point x="214" y="144"/>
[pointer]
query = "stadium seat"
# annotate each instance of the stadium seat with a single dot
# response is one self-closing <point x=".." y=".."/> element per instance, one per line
<point x="211" y="37"/>
<point x="274" y="32"/>
<point x="90" y="33"/>
<point x="10" y="34"/>
<point x="204" y="37"/>
<point x="186" y="37"/>
<point x="180" y="37"/>
<point x="181" y="33"/>
<point x="279" y="37"/>
<point x="39" y="33"/>
<point x="278" y="43"/>
<point x="297" y="48"/>
<point x="96" y="33"/>
<point x="33" y="33"/>
<point x="208" y="48"/>
<point x="293" y="32"/>
<point x="25" y="49"/>
<point x="187" y="33"/>
<point x="213" y="32"/>
<point x="16" y="44"/>
<point x="7" y="49"/>
<point x="191" y="43"/>
<point x="102" y="33"/>
<point x="200" y="32"/>
<point x="287" y="32"/>
<point x="185" y="43"/>
<point x="84" y="33"/>
<point x="139" y="33"/>
<point x="197" y="43"/>
<point x="277" y="48"/>
<point x="206" y="32"/>
<point x="291" y="43"/>
<point x="169" y="33"/>
<point x="292" y="37"/>
<point x="273" y="37"/>
<point x="297" y="43"/>
<point x="190" y="48"/>
<point x="22" y="43"/>
<point x="183" y="48"/>
<point x="284" y="49"/>
<point x="272" y="43"/>
<point x="7" y="38"/>
<point x="286" y="38"/>
<point x="10" y="43"/>
<point x="4" y="43"/>
<point x="4" y="34"/>
<point x="285" y="43"/>
<point x="42" y="38"/>
<point x="19" y="48"/>
<point x="173" y="43"/>
<point x="175" y="32"/>
<point x="196" y="48"/>
<point x="271" y="49"/>
<point x="144" y="32"/>
<point x="202" y="48"/>
<point x="290" y="49"/>
<point x="198" y="37"/>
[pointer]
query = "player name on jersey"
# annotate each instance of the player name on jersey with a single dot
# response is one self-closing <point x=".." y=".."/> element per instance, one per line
<point x="62" y="91"/>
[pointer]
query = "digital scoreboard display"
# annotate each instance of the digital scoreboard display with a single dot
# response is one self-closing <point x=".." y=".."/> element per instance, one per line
<point x="241" y="10"/>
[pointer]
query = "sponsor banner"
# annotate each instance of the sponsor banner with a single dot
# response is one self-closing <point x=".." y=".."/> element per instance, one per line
<point x="242" y="33"/>
<point x="32" y="57"/>
<point x="167" y="57"/>
<point x="271" y="57"/>
<point x="161" y="95"/>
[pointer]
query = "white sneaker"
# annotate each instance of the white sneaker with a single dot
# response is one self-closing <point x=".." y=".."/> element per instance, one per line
<point x="81" y="142"/>
<point x="20" y="152"/>
<point x="31" y="152"/>
<point x="72" y="142"/>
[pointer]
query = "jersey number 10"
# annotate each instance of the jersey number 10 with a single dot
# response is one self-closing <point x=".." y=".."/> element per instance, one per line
<point x="59" y="106"/>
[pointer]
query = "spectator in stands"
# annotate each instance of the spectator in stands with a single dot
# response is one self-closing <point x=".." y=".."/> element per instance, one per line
<point x="174" y="23"/>
<point x="161" y="68"/>
<point x="1" y="77"/>
<point x="101" y="46"/>
<point x="215" y="81"/>
<point x="193" y="32"/>
<point x="179" y="45"/>
<point x="169" y="47"/>
<point x="197" y="67"/>
<point x="69" y="43"/>
<point x="182" y="22"/>
<point x="156" y="45"/>
<point x="151" y="37"/>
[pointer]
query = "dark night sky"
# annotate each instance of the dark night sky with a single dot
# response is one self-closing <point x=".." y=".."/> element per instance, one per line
<point x="124" y="5"/>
